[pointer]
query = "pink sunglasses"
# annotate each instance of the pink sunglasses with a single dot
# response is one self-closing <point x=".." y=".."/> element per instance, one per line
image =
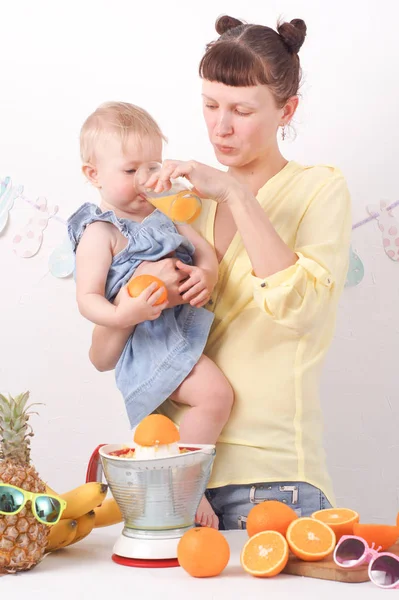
<point x="352" y="551"/>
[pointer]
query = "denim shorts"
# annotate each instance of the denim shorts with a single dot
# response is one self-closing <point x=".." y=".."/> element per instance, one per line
<point x="232" y="503"/>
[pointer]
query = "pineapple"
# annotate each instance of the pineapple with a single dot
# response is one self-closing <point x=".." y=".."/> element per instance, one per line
<point x="23" y="539"/>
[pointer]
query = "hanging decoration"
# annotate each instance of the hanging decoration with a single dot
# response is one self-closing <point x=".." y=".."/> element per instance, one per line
<point x="8" y="194"/>
<point x="61" y="262"/>
<point x="389" y="228"/>
<point x="355" y="271"/>
<point x="28" y="241"/>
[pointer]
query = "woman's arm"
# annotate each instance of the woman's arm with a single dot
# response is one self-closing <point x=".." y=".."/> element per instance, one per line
<point x="203" y="276"/>
<point x="303" y="295"/>
<point x="107" y="345"/>
<point x="293" y="287"/>
<point x="205" y="255"/>
<point x="266" y="250"/>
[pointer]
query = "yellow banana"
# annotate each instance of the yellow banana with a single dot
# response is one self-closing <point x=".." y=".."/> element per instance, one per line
<point x="61" y="534"/>
<point x="50" y="491"/>
<point x="84" y="526"/>
<point x="83" y="499"/>
<point x="108" y="513"/>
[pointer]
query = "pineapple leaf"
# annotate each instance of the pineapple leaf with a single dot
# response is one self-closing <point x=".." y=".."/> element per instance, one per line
<point x="4" y="404"/>
<point x="15" y="430"/>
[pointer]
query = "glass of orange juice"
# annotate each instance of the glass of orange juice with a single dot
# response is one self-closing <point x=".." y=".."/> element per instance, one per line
<point x="178" y="203"/>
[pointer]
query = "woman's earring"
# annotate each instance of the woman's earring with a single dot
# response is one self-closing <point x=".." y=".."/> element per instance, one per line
<point x="283" y="132"/>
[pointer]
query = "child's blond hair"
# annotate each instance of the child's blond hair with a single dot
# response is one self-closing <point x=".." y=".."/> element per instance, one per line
<point x="115" y="118"/>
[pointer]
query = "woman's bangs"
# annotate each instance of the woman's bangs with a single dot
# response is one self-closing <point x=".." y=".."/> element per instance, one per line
<point x="232" y="65"/>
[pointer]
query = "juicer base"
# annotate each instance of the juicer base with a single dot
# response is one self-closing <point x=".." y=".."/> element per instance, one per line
<point x="146" y="548"/>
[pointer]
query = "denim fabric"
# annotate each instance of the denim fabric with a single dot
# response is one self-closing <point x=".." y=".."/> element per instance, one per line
<point x="160" y="354"/>
<point x="232" y="503"/>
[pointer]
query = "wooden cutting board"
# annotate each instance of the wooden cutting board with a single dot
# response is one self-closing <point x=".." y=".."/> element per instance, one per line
<point x="327" y="569"/>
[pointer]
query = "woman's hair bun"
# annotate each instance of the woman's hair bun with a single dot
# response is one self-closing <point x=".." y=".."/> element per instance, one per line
<point x="224" y="23"/>
<point x="293" y="34"/>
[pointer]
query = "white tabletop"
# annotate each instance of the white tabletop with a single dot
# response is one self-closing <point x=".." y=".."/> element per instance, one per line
<point x="86" y="570"/>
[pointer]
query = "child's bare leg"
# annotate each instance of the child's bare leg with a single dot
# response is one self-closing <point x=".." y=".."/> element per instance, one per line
<point x="210" y="396"/>
<point x="205" y="515"/>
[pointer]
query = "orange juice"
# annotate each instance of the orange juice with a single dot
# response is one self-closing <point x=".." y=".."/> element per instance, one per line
<point x="182" y="207"/>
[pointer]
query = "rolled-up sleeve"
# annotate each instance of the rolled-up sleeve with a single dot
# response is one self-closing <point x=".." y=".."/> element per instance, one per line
<point x="299" y="296"/>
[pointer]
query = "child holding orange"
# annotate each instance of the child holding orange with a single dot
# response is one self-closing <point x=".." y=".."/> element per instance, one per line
<point x="163" y="357"/>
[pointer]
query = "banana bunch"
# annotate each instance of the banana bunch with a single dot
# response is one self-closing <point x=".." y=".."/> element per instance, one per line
<point x="86" y="509"/>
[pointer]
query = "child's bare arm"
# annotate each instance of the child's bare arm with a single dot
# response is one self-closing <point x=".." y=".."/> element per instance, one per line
<point x="93" y="260"/>
<point x="108" y="342"/>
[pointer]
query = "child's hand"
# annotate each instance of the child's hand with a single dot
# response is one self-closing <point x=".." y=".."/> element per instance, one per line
<point x="198" y="288"/>
<point x="131" y="311"/>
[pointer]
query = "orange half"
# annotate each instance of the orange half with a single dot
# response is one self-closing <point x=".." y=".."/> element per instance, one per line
<point x="310" y="539"/>
<point x="156" y="430"/>
<point x="265" y="554"/>
<point x="341" y="520"/>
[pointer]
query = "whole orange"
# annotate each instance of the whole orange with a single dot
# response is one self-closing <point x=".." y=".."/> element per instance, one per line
<point x="203" y="552"/>
<point x="270" y="515"/>
<point x="138" y="284"/>
<point x="383" y="536"/>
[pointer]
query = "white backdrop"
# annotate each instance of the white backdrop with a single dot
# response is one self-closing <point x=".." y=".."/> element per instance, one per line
<point x="56" y="65"/>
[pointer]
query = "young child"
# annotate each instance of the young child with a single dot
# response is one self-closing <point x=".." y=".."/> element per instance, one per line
<point x="163" y="358"/>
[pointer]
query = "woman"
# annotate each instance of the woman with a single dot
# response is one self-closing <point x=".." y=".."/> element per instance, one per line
<point x="281" y="233"/>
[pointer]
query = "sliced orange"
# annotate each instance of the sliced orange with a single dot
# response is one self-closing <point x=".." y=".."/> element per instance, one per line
<point x="381" y="535"/>
<point x="270" y="515"/>
<point x="341" y="520"/>
<point x="265" y="554"/>
<point x="310" y="539"/>
<point x="397" y="519"/>
<point x="156" y="430"/>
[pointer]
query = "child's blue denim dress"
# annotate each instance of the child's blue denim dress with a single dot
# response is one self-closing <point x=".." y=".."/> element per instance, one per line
<point x="160" y="354"/>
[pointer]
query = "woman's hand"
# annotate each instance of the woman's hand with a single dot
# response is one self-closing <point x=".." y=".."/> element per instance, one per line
<point x="207" y="181"/>
<point x="198" y="288"/>
<point x="167" y="271"/>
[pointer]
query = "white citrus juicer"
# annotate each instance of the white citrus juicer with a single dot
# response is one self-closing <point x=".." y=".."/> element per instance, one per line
<point x="158" y="498"/>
